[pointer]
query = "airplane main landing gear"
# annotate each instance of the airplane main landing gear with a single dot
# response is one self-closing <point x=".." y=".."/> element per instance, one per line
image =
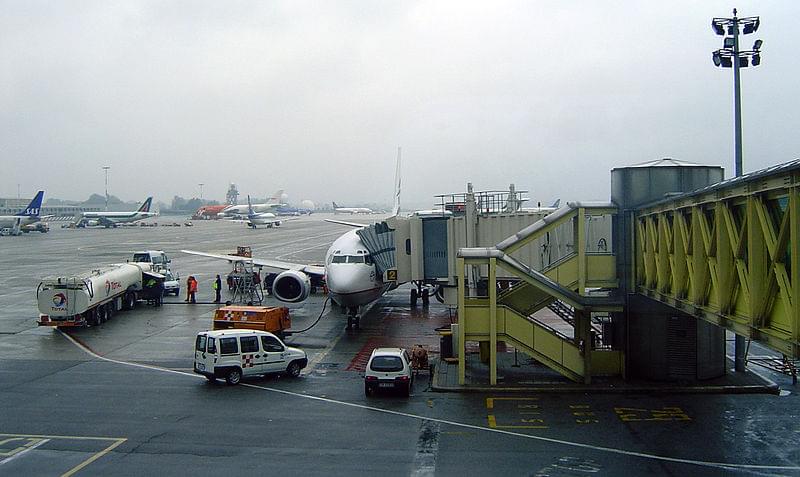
<point x="420" y="292"/>
<point x="353" y="318"/>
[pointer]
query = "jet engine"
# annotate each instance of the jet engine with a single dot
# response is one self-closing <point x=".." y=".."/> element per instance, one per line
<point x="291" y="286"/>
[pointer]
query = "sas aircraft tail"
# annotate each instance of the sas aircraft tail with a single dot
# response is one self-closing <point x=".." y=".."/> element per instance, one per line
<point x="34" y="208"/>
<point x="146" y="205"/>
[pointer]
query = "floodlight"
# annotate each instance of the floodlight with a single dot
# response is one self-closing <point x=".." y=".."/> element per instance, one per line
<point x="717" y="28"/>
<point x="756" y="59"/>
<point x="728" y="43"/>
<point x="716" y="57"/>
<point x="743" y="61"/>
<point x="757" y="45"/>
<point x="726" y="61"/>
<point x="750" y="27"/>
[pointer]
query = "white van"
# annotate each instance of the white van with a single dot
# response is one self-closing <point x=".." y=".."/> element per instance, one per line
<point x="232" y="354"/>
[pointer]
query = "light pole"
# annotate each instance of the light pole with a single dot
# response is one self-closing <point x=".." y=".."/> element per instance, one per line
<point x="105" y="169"/>
<point x="201" y="191"/>
<point x="731" y="56"/>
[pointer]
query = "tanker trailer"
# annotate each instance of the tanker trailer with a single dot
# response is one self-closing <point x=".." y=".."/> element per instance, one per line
<point x="92" y="297"/>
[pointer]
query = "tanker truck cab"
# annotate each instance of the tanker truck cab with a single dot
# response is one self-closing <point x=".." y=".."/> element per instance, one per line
<point x="233" y="354"/>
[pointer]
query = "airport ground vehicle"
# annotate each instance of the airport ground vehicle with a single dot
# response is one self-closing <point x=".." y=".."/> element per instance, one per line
<point x="388" y="368"/>
<point x="92" y="297"/>
<point x="172" y="283"/>
<point x="274" y="319"/>
<point x="234" y="354"/>
<point x="158" y="258"/>
<point x="42" y="227"/>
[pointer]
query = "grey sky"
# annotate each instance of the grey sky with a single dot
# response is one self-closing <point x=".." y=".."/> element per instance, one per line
<point x="315" y="97"/>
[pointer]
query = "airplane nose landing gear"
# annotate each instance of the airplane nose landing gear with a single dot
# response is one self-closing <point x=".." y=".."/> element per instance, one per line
<point x="353" y="318"/>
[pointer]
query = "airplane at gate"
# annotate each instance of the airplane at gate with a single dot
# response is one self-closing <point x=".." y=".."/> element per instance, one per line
<point x="111" y="219"/>
<point x="349" y="270"/>
<point x="27" y="216"/>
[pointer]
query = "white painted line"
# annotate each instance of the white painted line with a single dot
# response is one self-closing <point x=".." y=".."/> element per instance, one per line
<point x="610" y="450"/>
<point x="9" y="459"/>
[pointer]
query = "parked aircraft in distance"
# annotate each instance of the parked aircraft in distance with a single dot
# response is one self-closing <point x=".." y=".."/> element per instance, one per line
<point x="112" y="219"/>
<point x="350" y="210"/>
<point x="242" y="210"/>
<point x="27" y="216"/>
<point x="267" y="219"/>
<point x="209" y="212"/>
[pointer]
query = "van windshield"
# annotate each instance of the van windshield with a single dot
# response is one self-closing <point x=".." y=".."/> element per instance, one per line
<point x="200" y="344"/>
<point x="141" y="257"/>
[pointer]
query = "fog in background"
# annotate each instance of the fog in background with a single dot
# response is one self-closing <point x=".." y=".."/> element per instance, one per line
<point x="315" y="97"/>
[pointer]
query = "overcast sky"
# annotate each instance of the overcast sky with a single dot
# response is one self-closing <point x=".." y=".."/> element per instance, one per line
<point x="315" y="97"/>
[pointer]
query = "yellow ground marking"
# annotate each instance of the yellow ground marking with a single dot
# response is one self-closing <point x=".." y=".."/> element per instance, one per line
<point x="29" y="443"/>
<point x="490" y="401"/>
<point x="631" y="414"/>
<point x="492" y="421"/>
<point x="93" y="458"/>
<point x="116" y="442"/>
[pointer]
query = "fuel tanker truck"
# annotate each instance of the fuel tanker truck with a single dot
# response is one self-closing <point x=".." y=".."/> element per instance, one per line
<point x="92" y="297"/>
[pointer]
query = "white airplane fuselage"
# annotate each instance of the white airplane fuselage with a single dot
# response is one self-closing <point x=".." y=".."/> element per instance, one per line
<point x="118" y="217"/>
<point x="350" y="273"/>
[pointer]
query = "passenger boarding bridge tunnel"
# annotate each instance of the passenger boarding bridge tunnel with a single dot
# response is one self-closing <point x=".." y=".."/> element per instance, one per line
<point x="692" y="256"/>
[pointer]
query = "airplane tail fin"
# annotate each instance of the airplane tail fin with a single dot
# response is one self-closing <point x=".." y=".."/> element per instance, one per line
<point x="145" y="207"/>
<point x="276" y="199"/>
<point x="396" y="208"/>
<point x="33" y="209"/>
<point x="249" y="207"/>
<point x="556" y="203"/>
<point x="334" y="205"/>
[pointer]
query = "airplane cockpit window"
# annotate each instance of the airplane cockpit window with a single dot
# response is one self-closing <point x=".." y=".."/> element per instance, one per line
<point x="355" y="259"/>
<point x="368" y="259"/>
<point x="339" y="259"/>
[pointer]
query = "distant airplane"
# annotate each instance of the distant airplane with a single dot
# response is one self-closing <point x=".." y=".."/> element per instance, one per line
<point x="350" y="210"/>
<point x="550" y="208"/>
<point x="111" y="219"/>
<point x="209" y="212"/>
<point x="242" y="210"/>
<point x="267" y="219"/>
<point x="25" y="217"/>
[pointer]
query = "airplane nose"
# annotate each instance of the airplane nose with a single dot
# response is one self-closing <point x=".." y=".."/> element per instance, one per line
<point x="346" y="279"/>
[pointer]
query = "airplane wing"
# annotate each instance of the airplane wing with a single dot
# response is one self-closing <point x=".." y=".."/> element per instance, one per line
<point x="349" y="224"/>
<point x="317" y="270"/>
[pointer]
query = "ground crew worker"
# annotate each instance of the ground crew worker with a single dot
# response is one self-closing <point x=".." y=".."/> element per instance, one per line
<point x="217" y="289"/>
<point x="188" y="288"/>
<point x="193" y="289"/>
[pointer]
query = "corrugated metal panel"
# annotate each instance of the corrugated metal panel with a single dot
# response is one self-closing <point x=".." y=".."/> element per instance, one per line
<point x="379" y="240"/>
<point x="681" y="348"/>
<point x="434" y="244"/>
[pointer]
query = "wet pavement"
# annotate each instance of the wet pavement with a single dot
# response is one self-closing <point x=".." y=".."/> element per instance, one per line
<point x="134" y="407"/>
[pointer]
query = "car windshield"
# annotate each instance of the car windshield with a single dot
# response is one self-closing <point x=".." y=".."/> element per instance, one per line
<point x="386" y="364"/>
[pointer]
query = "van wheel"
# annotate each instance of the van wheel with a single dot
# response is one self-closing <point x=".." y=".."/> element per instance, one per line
<point x="368" y="391"/>
<point x="407" y="390"/>
<point x="211" y="379"/>
<point x="293" y="370"/>
<point x="234" y="377"/>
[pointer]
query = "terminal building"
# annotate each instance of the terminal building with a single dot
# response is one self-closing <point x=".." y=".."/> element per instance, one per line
<point x="12" y="206"/>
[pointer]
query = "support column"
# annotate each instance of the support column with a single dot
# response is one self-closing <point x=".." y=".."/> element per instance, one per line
<point x="493" y="321"/>
<point x="580" y="245"/>
<point x="462" y="355"/>
<point x="583" y="335"/>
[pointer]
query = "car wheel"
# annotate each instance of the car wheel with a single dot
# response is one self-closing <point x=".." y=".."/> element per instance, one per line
<point x="368" y="391"/>
<point x="407" y="389"/>
<point x="211" y="379"/>
<point x="233" y="377"/>
<point x="293" y="370"/>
